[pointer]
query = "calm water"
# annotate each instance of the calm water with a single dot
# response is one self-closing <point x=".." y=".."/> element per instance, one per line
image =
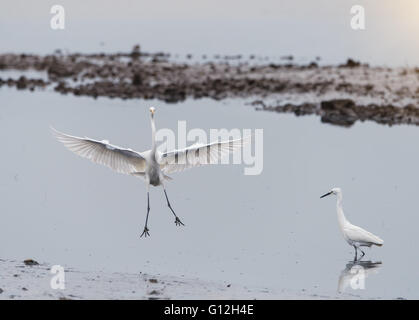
<point x="270" y="230"/>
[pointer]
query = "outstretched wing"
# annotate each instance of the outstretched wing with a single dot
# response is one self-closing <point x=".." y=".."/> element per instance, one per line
<point x="122" y="160"/>
<point x="198" y="155"/>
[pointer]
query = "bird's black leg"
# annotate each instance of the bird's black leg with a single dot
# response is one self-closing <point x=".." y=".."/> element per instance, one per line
<point x="356" y="254"/>
<point x="177" y="220"/>
<point x="145" y="232"/>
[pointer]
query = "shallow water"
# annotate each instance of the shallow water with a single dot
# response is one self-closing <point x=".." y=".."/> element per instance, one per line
<point x="270" y="230"/>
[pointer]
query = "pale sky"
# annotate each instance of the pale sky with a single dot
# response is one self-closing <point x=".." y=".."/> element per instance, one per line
<point x="208" y="9"/>
<point x="299" y="27"/>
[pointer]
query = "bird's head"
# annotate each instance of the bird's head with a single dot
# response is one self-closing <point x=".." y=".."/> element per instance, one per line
<point x="334" y="191"/>
<point x="152" y="110"/>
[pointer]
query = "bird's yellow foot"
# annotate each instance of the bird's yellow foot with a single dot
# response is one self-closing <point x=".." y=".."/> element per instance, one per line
<point x="178" y="222"/>
<point x="145" y="233"/>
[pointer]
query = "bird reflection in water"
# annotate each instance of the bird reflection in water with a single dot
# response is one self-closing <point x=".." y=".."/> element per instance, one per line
<point x="355" y="274"/>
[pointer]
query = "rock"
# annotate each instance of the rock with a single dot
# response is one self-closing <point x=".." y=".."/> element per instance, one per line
<point x="339" y="111"/>
<point x="137" y="80"/>
<point x="30" y="262"/>
<point x="154" y="293"/>
<point x="21" y="83"/>
<point x="60" y="69"/>
<point x="290" y="58"/>
<point x="350" y="63"/>
<point x="136" y="52"/>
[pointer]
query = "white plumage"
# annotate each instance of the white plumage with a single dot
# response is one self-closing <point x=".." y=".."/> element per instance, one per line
<point x="151" y="165"/>
<point x="102" y="152"/>
<point x="354" y="235"/>
<point x="198" y="154"/>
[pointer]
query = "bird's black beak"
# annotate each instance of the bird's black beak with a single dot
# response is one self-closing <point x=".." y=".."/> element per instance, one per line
<point x="325" y="195"/>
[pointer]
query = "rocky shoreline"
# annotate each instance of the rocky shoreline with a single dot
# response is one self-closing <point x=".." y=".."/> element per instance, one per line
<point x="341" y="94"/>
<point x="344" y="112"/>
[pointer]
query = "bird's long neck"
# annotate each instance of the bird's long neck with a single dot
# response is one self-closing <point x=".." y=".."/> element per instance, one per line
<point x="153" y="136"/>
<point x="339" y="208"/>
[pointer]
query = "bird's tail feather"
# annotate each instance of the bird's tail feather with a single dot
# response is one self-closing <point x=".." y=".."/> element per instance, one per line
<point x="378" y="241"/>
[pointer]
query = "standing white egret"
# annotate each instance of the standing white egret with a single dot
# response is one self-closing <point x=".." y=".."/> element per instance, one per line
<point x="355" y="236"/>
<point x="151" y="165"/>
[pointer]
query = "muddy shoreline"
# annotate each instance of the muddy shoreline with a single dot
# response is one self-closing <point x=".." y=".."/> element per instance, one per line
<point x="340" y="95"/>
<point x="344" y="112"/>
<point x="20" y="280"/>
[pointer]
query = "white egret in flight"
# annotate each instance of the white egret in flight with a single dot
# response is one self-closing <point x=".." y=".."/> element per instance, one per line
<point x="355" y="236"/>
<point x="151" y="165"/>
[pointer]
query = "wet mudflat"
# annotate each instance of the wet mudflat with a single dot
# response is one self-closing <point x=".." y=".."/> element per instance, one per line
<point x="20" y="281"/>
<point x="268" y="231"/>
<point x="341" y="94"/>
